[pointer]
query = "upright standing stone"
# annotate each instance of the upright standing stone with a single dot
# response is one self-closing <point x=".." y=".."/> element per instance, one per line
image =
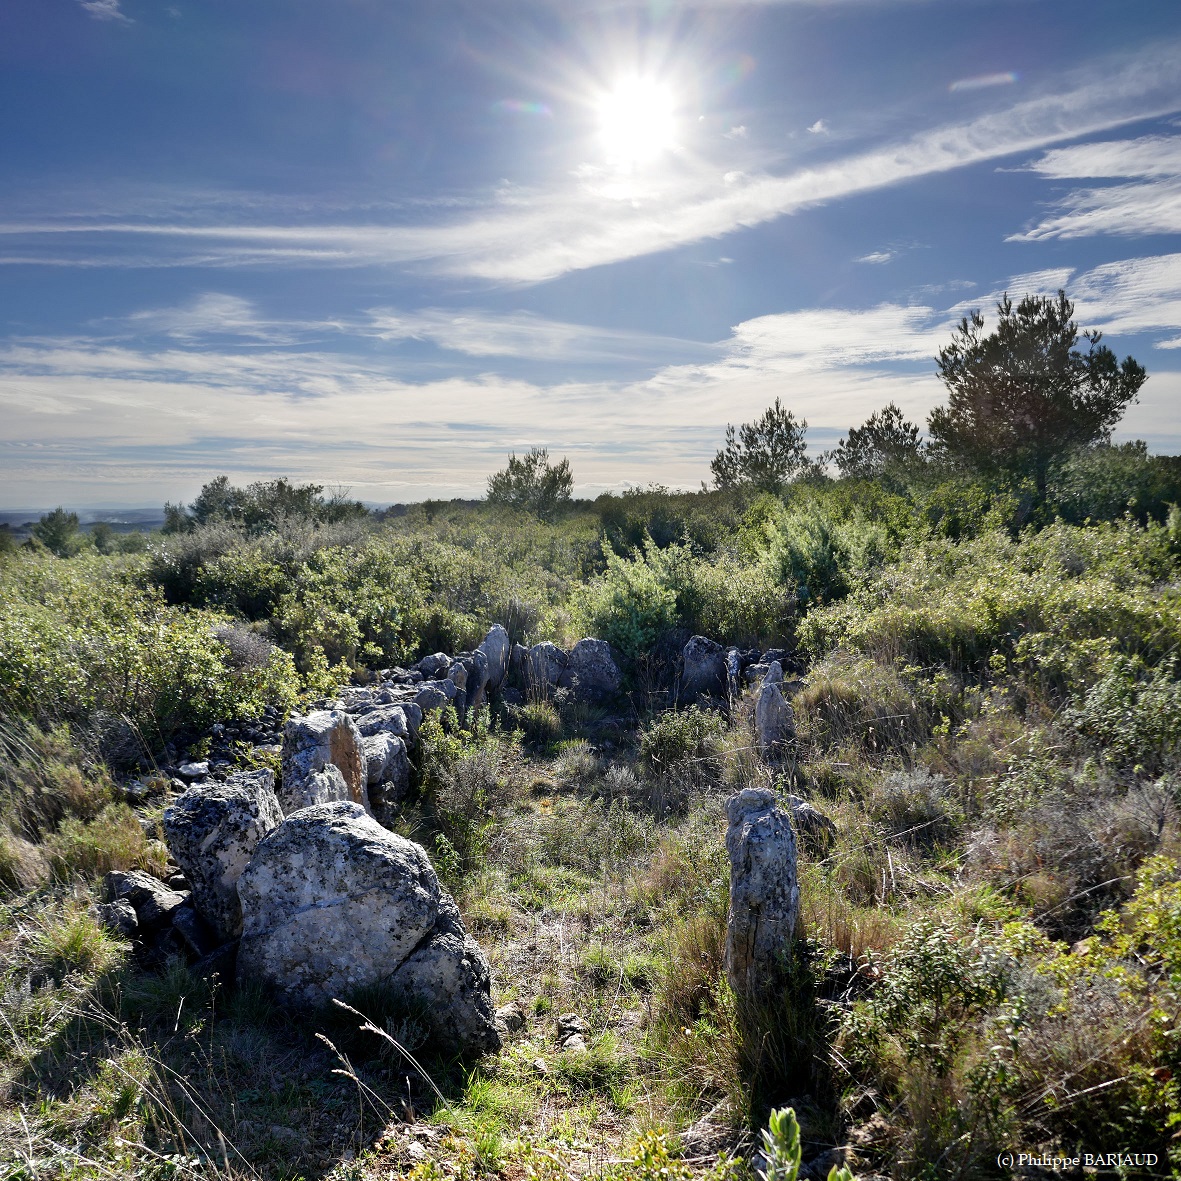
<point x="764" y="891"/>
<point x="775" y="720"/>
<point x="310" y="745"/>
<point x="212" y="831"/>
<point x="591" y="673"/>
<point x="703" y="669"/>
<point x="496" y="648"/>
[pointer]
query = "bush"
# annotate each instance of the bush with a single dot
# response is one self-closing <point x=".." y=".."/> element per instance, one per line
<point x="1047" y="605"/>
<point x="1131" y="718"/>
<point x="678" y="741"/>
<point x="81" y="642"/>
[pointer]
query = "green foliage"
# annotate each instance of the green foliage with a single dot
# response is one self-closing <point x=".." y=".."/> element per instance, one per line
<point x="1023" y="395"/>
<point x="632" y="603"/>
<point x="59" y="532"/>
<point x="1053" y="604"/>
<point x="638" y="598"/>
<point x="264" y="505"/>
<point x="936" y="984"/>
<point x="82" y="641"/>
<point x="884" y="442"/>
<point x="1103" y="482"/>
<point x="532" y="484"/>
<point x="677" y="740"/>
<point x="766" y="453"/>
<point x="112" y="840"/>
<point x="1131" y="717"/>
<point x="781" y="1146"/>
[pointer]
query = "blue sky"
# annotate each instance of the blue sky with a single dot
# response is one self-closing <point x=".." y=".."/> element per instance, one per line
<point x="382" y="245"/>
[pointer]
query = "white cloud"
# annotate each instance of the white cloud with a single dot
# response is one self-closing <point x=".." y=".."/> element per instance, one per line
<point x="983" y="81"/>
<point x="739" y="132"/>
<point x="104" y="10"/>
<point x="1151" y="205"/>
<point x="818" y="128"/>
<point x="524" y="335"/>
<point x="205" y="315"/>
<point x="1150" y="155"/>
<point x="878" y="256"/>
<point x="526" y="237"/>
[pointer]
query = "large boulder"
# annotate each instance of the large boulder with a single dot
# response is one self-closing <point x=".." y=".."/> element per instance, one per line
<point x="332" y="902"/>
<point x="496" y="648"/>
<point x="703" y="669"/>
<point x="591" y="673"/>
<point x="764" y="892"/>
<point x="545" y="666"/>
<point x="775" y="721"/>
<point x="313" y="743"/>
<point x="212" y="831"/>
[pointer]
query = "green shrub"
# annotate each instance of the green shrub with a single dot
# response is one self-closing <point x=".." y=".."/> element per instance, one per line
<point x="631" y="604"/>
<point x="1065" y="589"/>
<point x="1131" y="717"/>
<point x="81" y="641"/>
<point x="677" y="740"/>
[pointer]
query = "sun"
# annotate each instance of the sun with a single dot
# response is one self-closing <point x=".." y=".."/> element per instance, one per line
<point x="637" y="121"/>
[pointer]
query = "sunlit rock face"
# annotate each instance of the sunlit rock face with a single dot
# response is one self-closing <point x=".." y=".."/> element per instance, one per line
<point x="213" y="830"/>
<point x="311" y="745"/>
<point x="333" y="902"/>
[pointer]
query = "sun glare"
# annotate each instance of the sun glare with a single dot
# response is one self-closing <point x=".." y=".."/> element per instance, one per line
<point x="637" y="121"/>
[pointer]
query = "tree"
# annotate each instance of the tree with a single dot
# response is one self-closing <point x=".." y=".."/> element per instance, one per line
<point x="885" y="440"/>
<point x="765" y="454"/>
<point x="1024" y="395"/>
<point x="104" y="537"/>
<point x="58" y="531"/>
<point x="532" y="484"/>
<point x="261" y="505"/>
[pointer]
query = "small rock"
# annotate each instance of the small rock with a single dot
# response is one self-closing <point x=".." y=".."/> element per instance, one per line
<point x="416" y="1151"/>
<point x="119" y="918"/>
<point x="288" y="1137"/>
<point x="540" y="1065"/>
<point x="193" y="771"/>
<point x="196" y="933"/>
<point x="178" y="881"/>
<point x="151" y="899"/>
<point x="511" y="1016"/>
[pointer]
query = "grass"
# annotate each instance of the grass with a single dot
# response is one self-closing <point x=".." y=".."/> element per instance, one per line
<point x="588" y="859"/>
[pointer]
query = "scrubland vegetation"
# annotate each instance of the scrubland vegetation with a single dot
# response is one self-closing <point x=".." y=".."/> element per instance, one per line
<point x="989" y="715"/>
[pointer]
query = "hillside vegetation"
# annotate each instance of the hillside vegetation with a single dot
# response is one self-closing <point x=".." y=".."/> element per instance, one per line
<point x="986" y="654"/>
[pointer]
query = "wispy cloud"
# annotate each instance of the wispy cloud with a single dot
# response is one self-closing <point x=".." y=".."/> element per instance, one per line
<point x="530" y="236"/>
<point x="106" y="419"/>
<point x="1144" y="206"/>
<point x="983" y="81"/>
<point x="104" y="10"/>
<point x="878" y="256"/>
<point x="525" y="336"/>
<point x="818" y="128"/>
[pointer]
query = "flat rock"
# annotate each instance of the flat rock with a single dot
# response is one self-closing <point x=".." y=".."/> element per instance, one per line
<point x="151" y="899"/>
